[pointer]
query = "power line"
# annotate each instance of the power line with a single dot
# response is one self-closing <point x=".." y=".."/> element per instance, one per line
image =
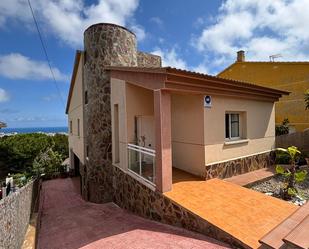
<point x="45" y="52"/>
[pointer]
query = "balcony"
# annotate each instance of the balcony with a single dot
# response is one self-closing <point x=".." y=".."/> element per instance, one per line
<point x="141" y="162"/>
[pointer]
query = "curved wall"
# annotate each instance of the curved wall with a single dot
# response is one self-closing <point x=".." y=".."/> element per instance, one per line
<point x="104" y="45"/>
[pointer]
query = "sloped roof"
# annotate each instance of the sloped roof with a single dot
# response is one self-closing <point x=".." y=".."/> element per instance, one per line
<point x="181" y="79"/>
<point x="76" y="62"/>
<point x="269" y="63"/>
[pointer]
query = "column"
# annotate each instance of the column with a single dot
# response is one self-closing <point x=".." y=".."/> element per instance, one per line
<point x="162" y="114"/>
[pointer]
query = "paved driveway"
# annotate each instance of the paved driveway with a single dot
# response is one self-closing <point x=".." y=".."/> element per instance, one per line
<point x="68" y="222"/>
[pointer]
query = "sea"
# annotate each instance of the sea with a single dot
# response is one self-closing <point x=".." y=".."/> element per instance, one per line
<point x="63" y="129"/>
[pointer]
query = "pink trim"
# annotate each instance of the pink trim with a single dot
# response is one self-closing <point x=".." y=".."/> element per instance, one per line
<point x="162" y="113"/>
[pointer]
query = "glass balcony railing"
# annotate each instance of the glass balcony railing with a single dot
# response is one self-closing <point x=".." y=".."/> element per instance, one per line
<point x="142" y="162"/>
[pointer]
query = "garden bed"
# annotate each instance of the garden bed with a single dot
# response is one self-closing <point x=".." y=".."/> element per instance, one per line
<point x="272" y="186"/>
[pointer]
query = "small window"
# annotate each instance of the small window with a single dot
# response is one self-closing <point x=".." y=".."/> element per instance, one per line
<point x="78" y="127"/>
<point x="86" y="97"/>
<point x="87" y="152"/>
<point x="71" y="127"/>
<point x="232" y="126"/>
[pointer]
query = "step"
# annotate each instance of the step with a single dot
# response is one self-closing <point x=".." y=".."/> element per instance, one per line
<point x="274" y="239"/>
<point x="299" y="237"/>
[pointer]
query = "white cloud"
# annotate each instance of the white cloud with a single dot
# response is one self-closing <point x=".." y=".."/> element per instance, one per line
<point x="201" y="68"/>
<point x="157" y="20"/>
<point x="50" y="97"/>
<point x="138" y="31"/>
<point x="170" y="58"/>
<point x="67" y="19"/>
<point x="261" y="28"/>
<point x="4" y="96"/>
<point x="17" y="66"/>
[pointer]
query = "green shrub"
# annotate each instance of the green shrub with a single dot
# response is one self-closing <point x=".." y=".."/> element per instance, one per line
<point x="292" y="175"/>
<point x="47" y="162"/>
<point x="18" y="152"/>
<point x="283" y="128"/>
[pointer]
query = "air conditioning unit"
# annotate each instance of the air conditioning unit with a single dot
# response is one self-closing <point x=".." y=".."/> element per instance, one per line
<point x="207" y="101"/>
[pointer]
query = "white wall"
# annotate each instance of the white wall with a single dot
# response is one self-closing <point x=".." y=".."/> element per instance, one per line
<point x="76" y="143"/>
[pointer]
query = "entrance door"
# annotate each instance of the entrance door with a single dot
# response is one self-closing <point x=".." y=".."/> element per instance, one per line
<point x="145" y="131"/>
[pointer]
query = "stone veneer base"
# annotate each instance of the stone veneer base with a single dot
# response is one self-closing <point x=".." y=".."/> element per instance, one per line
<point x="239" y="166"/>
<point x="139" y="199"/>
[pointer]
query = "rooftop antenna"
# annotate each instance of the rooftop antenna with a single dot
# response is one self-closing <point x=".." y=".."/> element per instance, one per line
<point x="274" y="56"/>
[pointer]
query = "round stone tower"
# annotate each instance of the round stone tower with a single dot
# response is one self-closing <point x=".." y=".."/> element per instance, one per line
<point x="104" y="45"/>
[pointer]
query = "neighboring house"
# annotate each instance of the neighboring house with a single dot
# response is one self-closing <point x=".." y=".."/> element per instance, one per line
<point x="287" y="76"/>
<point x="2" y="125"/>
<point x="130" y="119"/>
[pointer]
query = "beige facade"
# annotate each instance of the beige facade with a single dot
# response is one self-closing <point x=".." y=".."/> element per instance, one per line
<point x="197" y="132"/>
<point x="257" y="125"/>
<point x="75" y="115"/>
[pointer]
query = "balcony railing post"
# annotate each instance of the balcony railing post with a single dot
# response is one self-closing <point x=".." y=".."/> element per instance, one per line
<point x="140" y="163"/>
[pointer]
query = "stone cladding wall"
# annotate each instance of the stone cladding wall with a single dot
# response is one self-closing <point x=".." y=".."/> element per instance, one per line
<point x="130" y="194"/>
<point x="239" y="166"/>
<point x="15" y="211"/>
<point x="105" y="45"/>
<point x="148" y="60"/>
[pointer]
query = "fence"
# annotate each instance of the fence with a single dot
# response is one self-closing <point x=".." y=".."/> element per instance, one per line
<point x="15" y="211"/>
<point x="298" y="139"/>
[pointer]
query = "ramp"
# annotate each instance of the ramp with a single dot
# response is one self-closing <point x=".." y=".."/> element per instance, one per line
<point x="245" y="214"/>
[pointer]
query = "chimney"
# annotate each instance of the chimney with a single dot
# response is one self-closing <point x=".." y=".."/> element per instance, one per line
<point x="241" y="56"/>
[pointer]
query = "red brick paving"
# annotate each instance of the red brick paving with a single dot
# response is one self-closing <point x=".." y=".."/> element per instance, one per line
<point x="68" y="222"/>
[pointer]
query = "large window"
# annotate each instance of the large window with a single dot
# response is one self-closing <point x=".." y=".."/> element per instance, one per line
<point x="232" y="126"/>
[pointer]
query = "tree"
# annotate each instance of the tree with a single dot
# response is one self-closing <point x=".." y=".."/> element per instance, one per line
<point x="291" y="174"/>
<point x="18" y="152"/>
<point x="47" y="162"/>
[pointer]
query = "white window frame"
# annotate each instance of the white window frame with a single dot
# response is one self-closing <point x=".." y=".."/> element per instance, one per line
<point x="229" y="138"/>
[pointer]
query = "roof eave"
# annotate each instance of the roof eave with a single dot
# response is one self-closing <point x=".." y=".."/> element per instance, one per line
<point x="75" y="68"/>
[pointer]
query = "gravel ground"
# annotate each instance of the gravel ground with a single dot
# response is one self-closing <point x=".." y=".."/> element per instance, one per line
<point x="274" y="184"/>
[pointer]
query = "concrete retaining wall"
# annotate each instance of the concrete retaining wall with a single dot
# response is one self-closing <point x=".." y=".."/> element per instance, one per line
<point x="15" y="211"/>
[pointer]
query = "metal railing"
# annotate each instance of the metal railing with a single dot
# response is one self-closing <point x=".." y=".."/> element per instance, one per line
<point x="142" y="162"/>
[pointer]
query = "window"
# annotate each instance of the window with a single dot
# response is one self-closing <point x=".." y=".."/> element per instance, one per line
<point x="232" y="126"/>
<point x="71" y="127"/>
<point x="86" y="97"/>
<point x="78" y="127"/>
<point x="87" y="152"/>
<point x="116" y="133"/>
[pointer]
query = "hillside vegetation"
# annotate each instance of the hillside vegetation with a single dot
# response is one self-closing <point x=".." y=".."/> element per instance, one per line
<point x="20" y="152"/>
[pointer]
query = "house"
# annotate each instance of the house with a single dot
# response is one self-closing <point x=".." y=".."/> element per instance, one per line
<point x="2" y="125"/>
<point x="287" y="76"/>
<point x="129" y="118"/>
<point x="201" y="124"/>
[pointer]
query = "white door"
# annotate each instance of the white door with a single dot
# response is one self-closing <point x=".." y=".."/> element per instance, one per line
<point x="145" y="131"/>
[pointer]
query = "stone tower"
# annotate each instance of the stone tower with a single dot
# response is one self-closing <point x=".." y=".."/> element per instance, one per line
<point x="104" y="45"/>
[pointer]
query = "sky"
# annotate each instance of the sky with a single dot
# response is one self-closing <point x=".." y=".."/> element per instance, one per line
<point x="198" y="35"/>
